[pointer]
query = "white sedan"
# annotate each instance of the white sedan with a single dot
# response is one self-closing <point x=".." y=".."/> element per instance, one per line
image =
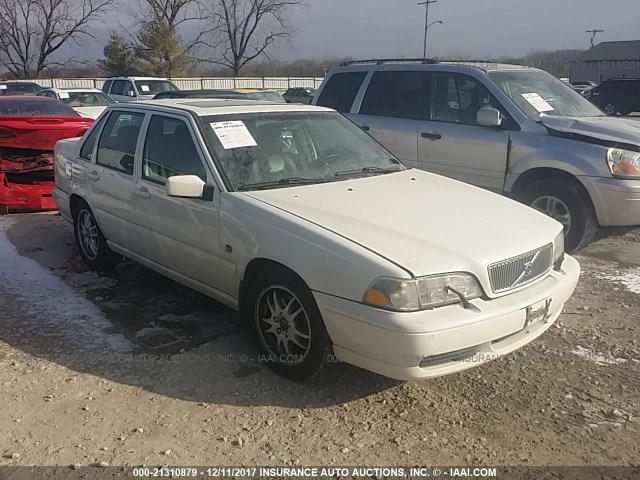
<point x="88" y="102"/>
<point x="326" y="244"/>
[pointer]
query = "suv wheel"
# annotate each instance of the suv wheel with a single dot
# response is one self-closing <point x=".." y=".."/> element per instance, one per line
<point x="286" y="324"/>
<point x="610" y="109"/>
<point x="565" y="202"/>
<point x="91" y="242"/>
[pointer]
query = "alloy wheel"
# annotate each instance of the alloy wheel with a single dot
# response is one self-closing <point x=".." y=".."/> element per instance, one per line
<point x="88" y="233"/>
<point x="610" y="109"/>
<point x="555" y="208"/>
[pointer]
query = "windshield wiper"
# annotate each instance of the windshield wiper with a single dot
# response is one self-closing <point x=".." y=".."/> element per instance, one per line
<point x="371" y="169"/>
<point x="280" y="183"/>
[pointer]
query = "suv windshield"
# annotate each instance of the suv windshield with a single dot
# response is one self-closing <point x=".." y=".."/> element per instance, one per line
<point x="271" y="150"/>
<point x="536" y="92"/>
<point x="152" y="87"/>
<point x="85" y="99"/>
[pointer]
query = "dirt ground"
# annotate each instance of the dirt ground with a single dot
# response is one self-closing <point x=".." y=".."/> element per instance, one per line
<point x="132" y="369"/>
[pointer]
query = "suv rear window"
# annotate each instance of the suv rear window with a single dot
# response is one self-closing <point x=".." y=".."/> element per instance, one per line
<point x="40" y="107"/>
<point x="341" y="90"/>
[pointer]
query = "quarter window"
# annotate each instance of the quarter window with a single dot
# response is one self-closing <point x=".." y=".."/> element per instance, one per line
<point x="396" y="94"/>
<point x="169" y="150"/>
<point x="341" y="90"/>
<point x="117" y="145"/>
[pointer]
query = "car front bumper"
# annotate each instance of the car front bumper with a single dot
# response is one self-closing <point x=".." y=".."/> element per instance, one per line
<point x="616" y="200"/>
<point x="413" y="345"/>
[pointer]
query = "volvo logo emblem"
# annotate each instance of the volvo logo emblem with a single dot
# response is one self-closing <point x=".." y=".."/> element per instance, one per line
<point x="527" y="271"/>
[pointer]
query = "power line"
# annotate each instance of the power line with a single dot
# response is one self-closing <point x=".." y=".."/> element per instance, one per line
<point x="593" y="33"/>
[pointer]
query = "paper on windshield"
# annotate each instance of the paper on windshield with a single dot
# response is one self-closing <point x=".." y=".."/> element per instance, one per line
<point x="3" y="87"/>
<point x="63" y="95"/>
<point x="233" y="134"/>
<point x="537" y="102"/>
<point x="144" y="88"/>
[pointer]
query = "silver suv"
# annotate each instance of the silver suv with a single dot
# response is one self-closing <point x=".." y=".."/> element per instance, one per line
<point x="515" y="130"/>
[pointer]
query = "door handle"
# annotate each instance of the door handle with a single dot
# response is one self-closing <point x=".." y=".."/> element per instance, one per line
<point x="94" y="175"/>
<point x="365" y="127"/>
<point x="142" y="192"/>
<point x="431" y="135"/>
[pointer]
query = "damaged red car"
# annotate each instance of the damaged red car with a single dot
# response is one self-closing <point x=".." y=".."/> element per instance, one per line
<point x="29" y="130"/>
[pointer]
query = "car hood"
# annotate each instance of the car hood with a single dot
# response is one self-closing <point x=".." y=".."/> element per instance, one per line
<point x="422" y="222"/>
<point x="90" y="112"/>
<point x="608" y="129"/>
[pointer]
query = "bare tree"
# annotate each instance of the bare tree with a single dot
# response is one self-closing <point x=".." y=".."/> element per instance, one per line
<point x="32" y="31"/>
<point x="172" y="12"/>
<point x="246" y="29"/>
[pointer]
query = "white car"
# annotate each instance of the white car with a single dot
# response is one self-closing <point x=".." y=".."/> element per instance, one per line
<point x="88" y="102"/>
<point x="327" y="245"/>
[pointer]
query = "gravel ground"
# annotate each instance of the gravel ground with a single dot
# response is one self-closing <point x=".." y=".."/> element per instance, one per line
<point x="133" y="369"/>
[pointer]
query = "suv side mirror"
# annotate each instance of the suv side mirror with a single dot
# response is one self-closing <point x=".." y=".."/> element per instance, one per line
<point x="131" y="93"/>
<point x="185" y="186"/>
<point x="489" y="117"/>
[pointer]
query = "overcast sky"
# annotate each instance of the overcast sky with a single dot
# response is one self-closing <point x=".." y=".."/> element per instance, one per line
<point x="472" y="28"/>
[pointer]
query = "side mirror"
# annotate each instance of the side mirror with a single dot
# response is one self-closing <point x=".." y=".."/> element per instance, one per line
<point x="131" y="93"/>
<point x="489" y="117"/>
<point x="186" y="186"/>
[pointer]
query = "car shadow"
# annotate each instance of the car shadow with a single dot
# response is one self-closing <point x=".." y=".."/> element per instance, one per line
<point x="171" y="340"/>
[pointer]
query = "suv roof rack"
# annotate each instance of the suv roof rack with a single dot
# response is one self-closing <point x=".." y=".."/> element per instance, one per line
<point x="382" y="61"/>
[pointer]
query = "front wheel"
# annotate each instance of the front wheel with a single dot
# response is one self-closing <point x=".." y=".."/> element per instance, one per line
<point x="91" y="242"/>
<point x="286" y="324"/>
<point x="568" y="204"/>
<point x="610" y="109"/>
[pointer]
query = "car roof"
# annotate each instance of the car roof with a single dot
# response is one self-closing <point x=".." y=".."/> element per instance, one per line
<point x="137" y="78"/>
<point x="427" y="64"/>
<point x="221" y="106"/>
<point x="72" y="90"/>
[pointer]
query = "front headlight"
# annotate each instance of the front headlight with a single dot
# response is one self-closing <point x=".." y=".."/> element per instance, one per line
<point x="558" y="250"/>
<point x="623" y="162"/>
<point x="422" y="293"/>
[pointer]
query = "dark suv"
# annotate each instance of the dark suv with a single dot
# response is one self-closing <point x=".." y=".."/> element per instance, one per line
<point x="620" y="95"/>
<point x="19" y="88"/>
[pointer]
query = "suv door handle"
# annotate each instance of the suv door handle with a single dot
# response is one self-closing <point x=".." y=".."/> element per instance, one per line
<point x="431" y="135"/>
<point x="94" y="175"/>
<point x="365" y="127"/>
<point x="142" y="192"/>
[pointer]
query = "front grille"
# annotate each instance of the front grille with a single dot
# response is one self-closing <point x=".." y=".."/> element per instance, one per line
<point x="520" y="270"/>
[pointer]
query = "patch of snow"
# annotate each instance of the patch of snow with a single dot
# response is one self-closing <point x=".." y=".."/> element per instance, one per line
<point x="629" y="278"/>
<point x="51" y="301"/>
<point x="596" y="357"/>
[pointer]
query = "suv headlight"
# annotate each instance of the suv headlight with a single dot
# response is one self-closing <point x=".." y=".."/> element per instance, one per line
<point x="421" y="293"/>
<point x="623" y="162"/>
<point x="558" y="250"/>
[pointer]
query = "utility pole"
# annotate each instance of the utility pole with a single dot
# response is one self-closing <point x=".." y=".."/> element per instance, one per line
<point x="426" y="22"/>
<point x="593" y="33"/>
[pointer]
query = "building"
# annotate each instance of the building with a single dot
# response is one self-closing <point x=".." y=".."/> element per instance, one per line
<point x="608" y="60"/>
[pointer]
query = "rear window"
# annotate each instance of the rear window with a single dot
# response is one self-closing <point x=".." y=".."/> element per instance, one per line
<point x="19" y="89"/>
<point x="341" y="90"/>
<point x="40" y="107"/>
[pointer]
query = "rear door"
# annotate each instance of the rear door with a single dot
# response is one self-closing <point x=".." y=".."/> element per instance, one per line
<point x="391" y="111"/>
<point x="452" y="143"/>
<point x="110" y="177"/>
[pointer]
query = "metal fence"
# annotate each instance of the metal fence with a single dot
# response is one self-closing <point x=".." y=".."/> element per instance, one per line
<point x="275" y="83"/>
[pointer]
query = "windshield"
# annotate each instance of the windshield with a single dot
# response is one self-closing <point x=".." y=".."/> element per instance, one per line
<point x="536" y="92"/>
<point x="268" y="150"/>
<point x="19" y="89"/>
<point x="266" y="97"/>
<point x="85" y="99"/>
<point x="44" y="107"/>
<point x="152" y="87"/>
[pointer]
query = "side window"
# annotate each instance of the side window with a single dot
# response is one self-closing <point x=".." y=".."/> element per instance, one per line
<point x="341" y="90"/>
<point x="117" y="144"/>
<point x="169" y="150"/>
<point x="118" y="87"/>
<point x="86" y="151"/>
<point x="396" y="94"/>
<point x="107" y="86"/>
<point x="129" y="89"/>
<point x="457" y="98"/>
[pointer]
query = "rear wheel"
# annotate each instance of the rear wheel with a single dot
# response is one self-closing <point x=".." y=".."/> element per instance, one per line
<point x="286" y="324"/>
<point x="565" y="202"/>
<point x="91" y="242"/>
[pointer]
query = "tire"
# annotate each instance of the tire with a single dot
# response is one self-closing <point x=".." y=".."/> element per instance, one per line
<point x="610" y="109"/>
<point x="581" y="225"/>
<point x="278" y="329"/>
<point x="91" y="242"/>
<point x="624" y="113"/>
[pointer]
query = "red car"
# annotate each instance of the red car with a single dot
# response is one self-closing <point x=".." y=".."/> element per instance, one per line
<point x="29" y="130"/>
